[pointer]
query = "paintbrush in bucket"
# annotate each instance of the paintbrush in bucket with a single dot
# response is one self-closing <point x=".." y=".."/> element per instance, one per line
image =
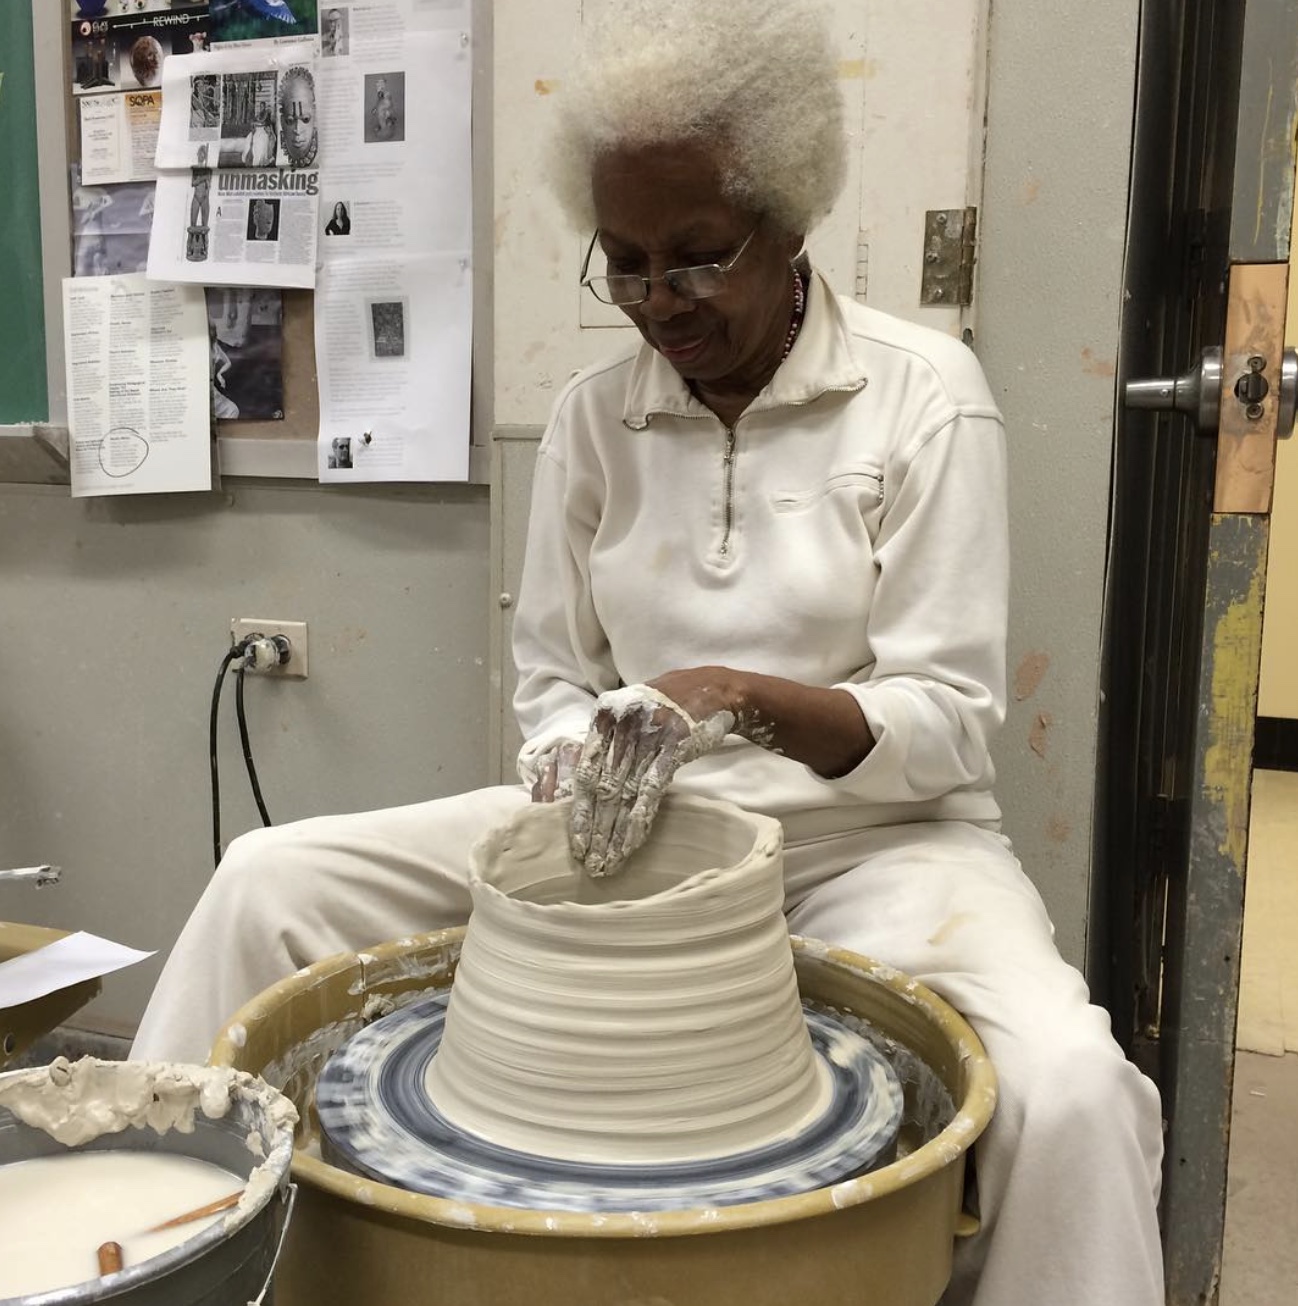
<point x="110" y="1253"/>
<point x="212" y="1208"/>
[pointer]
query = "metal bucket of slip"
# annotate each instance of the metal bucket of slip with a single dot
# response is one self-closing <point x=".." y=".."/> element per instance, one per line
<point x="887" y="1235"/>
<point x="226" y="1118"/>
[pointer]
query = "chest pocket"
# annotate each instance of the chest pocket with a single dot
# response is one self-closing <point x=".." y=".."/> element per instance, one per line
<point x="864" y="480"/>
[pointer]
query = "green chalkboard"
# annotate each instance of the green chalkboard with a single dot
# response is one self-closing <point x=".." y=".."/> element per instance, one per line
<point x="24" y="395"/>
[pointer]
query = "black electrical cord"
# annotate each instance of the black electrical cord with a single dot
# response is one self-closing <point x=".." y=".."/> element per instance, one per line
<point x="235" y="651"/>
<point x="247" y="746"/>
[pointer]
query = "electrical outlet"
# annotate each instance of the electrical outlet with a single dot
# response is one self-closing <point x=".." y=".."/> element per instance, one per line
<point x="295" y="667"/>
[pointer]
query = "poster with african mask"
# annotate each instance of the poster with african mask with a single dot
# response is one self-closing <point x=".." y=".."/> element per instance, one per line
<point x="121" y="45"/>
<point x="263" y="20"/>
<point x="238" y="195"/>
<point x="250" y="107"/>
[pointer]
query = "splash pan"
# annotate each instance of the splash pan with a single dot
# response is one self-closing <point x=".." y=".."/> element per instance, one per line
<point x="377" y="1120"/>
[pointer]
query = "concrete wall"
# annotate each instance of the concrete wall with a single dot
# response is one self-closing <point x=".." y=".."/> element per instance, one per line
<point x="1049" y="296"/>
<point x="1278" y="689"/>
<point x="114" y="615"/>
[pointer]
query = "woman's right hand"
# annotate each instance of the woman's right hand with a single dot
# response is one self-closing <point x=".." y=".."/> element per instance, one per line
<point x="554" y="770"/>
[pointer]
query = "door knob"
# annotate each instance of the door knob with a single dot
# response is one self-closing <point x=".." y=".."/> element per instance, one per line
<point x="1288" y="393"/>
<point x="1197" y="393"/>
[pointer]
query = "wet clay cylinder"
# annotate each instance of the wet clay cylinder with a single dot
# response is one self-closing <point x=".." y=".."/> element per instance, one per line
<point x="648" y="1017"/>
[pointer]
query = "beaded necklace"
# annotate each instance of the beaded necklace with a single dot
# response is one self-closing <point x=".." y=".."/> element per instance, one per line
<point x="799" y="310"/>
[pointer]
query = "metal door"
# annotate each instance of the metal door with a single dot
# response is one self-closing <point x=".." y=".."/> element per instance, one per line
<point x="1206" y="269"/>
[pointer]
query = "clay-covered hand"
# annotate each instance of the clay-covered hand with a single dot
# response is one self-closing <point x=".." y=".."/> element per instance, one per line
<point x="554" y="771"/>
<point x="639" y="738"/>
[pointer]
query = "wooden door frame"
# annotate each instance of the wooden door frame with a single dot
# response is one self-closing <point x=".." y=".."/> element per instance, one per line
<point x="1204" y="927"/>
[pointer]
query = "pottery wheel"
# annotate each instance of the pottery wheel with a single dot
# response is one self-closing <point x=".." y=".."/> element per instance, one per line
<point x="377" y="1120"/>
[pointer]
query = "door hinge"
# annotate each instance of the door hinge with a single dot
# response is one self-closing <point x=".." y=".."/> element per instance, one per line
<point x="950" y="240"/>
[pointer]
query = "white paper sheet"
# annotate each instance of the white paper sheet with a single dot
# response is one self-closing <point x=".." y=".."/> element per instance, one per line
<point x="60" y="964"/>
<point x="138" y="365"/>
<point x="394" y="296"/>
<point x="393" y="355"/>
<point x="119" y="136"/>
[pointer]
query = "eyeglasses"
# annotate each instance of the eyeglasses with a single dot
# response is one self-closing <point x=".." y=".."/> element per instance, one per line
<point x="701" y="281"/>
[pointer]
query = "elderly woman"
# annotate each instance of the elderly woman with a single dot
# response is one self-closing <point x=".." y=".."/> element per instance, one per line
<point x="766" y="562"/>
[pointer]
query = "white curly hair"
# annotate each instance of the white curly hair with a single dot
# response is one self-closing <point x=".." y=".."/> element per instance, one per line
<point x="758" y="78"/>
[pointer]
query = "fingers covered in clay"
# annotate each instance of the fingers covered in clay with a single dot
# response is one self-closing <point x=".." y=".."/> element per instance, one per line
<point x="638" y="740"/>
<point x="554" y="770"/>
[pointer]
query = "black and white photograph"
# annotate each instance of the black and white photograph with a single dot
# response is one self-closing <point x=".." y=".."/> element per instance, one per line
<point x="200" y="202"/>
<point x="388" y="328"/>
<point x="335" y="32"/>
<point x="385" y="107"/>
<point x="298" y="132"/>
<point x="248" y="135"/>
<point x="246" y="332"/>
<point x="204" y="104"/>
<point x="201" y="190"/>
<point x="263" y="219"/>
<point x="110" y="228"/>
<point x="339" y="220"/>
<point x="340" y="453"/>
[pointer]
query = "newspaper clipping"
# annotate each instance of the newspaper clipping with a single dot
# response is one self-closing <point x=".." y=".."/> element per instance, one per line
<point x="239" y="188"/>
<point x="394" y="297"/>
<point x="119" y="135"/>
<point x="235" y="227"/>
<point x="138" y="388"/>
<point x="244" y="108"/>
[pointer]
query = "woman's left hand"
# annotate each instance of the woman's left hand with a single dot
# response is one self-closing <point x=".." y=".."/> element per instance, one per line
<point x="639" y="737"/>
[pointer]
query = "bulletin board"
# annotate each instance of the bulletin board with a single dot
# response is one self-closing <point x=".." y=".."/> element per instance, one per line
<point x="285" y="447"/>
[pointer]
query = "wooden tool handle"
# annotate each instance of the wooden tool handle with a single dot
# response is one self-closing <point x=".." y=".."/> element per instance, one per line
<point x="110" y="1258"/>
<point x="212" y="1208"/>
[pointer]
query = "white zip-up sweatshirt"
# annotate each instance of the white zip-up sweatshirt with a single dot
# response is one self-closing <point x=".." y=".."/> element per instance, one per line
<point x="849" y="530"/>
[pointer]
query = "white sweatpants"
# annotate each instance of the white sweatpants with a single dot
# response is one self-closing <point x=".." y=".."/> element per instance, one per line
<point x="1069" y="1169"/>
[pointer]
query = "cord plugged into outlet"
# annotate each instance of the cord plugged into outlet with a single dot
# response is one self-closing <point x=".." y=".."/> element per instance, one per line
<point x="277" y="649"/>
<point x="266" y="648"/>
<point x="268" y="653"/>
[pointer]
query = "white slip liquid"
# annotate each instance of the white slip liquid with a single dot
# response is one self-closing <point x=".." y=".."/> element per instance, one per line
<point x="56" y="1211"/>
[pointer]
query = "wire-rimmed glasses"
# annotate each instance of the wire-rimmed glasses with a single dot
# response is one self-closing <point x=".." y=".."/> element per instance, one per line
<point x="623" y="289"/>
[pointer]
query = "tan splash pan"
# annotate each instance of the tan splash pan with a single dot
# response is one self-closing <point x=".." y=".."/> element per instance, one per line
<point x="22" y="1025"/>
<point x="886" y="1237"/>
